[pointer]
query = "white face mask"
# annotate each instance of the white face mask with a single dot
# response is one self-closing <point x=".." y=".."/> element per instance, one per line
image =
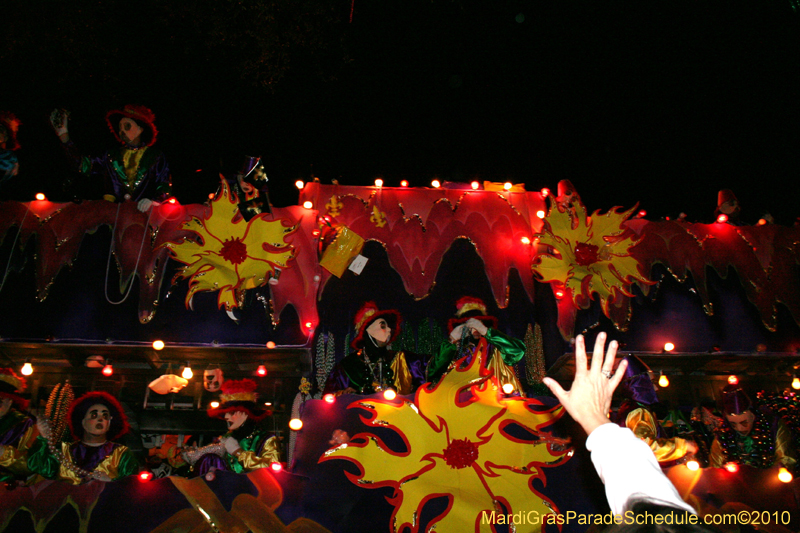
<point x="129" y="131"/>
<point x="380" y="331"/>
<point x="97" y="420"/>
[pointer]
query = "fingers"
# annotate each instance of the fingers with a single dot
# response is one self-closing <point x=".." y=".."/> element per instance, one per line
<point x="618" y="375"/>
<point x="555" y="388"/>
<point x="597" y="355"/>
<point x="580" y="356"/>
<point x="611" y="355"/>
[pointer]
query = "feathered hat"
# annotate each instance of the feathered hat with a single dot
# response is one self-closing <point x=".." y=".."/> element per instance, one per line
<point x="143" y="117"/>
<point x="637" y="384"/>
<point x="734" y="400"/>
<point x="471" y="307"/>
<point x="239" y="395"/>
<point x="11" y="123"/>
<point x="11" y="385"/>
<point x="119" y="422"/>
<point x="368" y="314"/>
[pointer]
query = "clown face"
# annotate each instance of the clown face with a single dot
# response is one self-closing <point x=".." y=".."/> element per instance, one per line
<point x="235" y="419"/>
<point x="129" y="131"/>
<point x="743" y="423"/>
<point x="380" y="331"/>
<point x="96" y="422"/>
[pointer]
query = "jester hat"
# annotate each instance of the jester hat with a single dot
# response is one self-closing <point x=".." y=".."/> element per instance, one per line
<point x="239" y="395"/>
<point x="80" y="406"/>
<point x="471" y="307"/>
<point x="11" y="124"/>
<point x="368" y="314"/>
<point x="11" y="385"/>
<point x="143" y="117"/>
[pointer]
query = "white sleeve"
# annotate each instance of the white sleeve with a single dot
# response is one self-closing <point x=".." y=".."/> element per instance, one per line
<point x="628" y="469"/>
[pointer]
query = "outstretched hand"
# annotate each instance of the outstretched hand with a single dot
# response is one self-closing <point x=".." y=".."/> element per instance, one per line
<point x="589" y="399"/>
<point x="43" y="425"/>
<point x="59" y="119"/>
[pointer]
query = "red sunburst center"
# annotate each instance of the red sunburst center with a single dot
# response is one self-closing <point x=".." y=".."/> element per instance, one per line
<point x="234" y="250"/>
<point x="586" y="254"/>
<point x="460" y="453"/>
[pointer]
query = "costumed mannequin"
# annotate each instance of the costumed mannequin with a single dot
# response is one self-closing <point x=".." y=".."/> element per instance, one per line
<point x="9" y="164"/>
<point x="751" y="434"/>
<point x="213" y="378"/>
<point x="95" y="419"/>
<point x="636" y="414"/>
<point x="133" y="171"/>
<point x="470" y="323"/>
<point x="246" y="446"/>
<point x="373" y="367"/>
<point x="17" y="429"/>
<point x="251" y="188"/>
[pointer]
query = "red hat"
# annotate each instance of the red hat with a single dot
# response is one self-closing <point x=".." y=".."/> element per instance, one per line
<point x="11" y="385"/>
<point x="143" y="117"/>
<point x="239" y="395"/>
<point x="77" y="410"/>
<point x="11" y="123"/>
<point x="368" y="314"/>
<point x="471" y="307"/>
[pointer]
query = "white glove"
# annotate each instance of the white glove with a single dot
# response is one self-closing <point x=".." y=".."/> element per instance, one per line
<point x="59" y="119"/>
<point x="477" y="325"/>
<point x="455" y="335"/>
<point x="145" y="204"/>
<point x="231" y="445"/>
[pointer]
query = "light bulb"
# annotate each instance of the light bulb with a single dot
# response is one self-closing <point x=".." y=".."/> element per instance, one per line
<point x="668" y="347"/>
<point x="784" y="475"/>
<point x="796" y="383"/>
<point x="108" y="370"/>
<point x="389" y="394"/>
<point x="329" y="398"/>
<point x="299" y="184"/>
<point x="732" y="467"/>
<point x="187" y="372"/>
<point x="214" y="404"/>
<point x="40" y="196"/>
<point x="508" y="388"/>
<point x="435" y="184"/>
<point x="27" y="369"/>
<point x="307" y="204"/>
<point x="507" y="186"/>
<point x="663" y="381"/>
<point x="276" y="467"/>
<point x="295" y="424"/>
<point x="474" y="185"/>
<point x="692" y="465"/>
<point x="540" y="213"/>
<point x="158" y="345"/>
<point x="262" y="370"/>
<point x="379" y="182"/>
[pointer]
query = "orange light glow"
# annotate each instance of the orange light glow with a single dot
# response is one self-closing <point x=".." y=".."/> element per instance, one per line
<point x="784" y="475"/>
<point x="211" y="196"/>
<point x="295" y="424"/>
<point x="732" y="467"/>
<point x="722" y="218"/>
<point x="404" y="183"/>
<point x="158" y="345"/>
<point x="559" y="293"/>
<point x="145" y="475"/>
<point x="261" y="370"/>
<point x="27" y="369"/>
<point x="379" y="182"/>
<point x="508" y="388"/>
<point x="389" y="394"/>
<point x="309" y="325"/>
<point x="663" y="381"/>
<point x="307" y="204"/>
<point x="733" y="380"/>
<point x="299" y="184"/>
<point x="214" y="404"/>
<point x="108" y="370"/>
<point x="545" y="192"/>
<point x="692" y="465"/>
<point x="187" y="372"/>
<point x="315" y="233"/>
<point x="276" y="467"/>
<point x="540" y="213"/>
<point x="475" y="185"/>
<point x="40" y="196"/>
<point x="796" y="383"/>
<point x="641" y="214"/>
<point x="329" y="398"/>
<point x="507" y="186"/>
<point x="668" y="347"/>
<point x="435" y="184"/>
<point x="172" y="200"/>
<point x="525" y="240"/>
<point x="761" y="222"/>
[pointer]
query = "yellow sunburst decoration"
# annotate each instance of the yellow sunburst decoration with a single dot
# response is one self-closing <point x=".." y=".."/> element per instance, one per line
<point x="457" y="446"/>
<point x="592" y="255"/>
<point x="229" y="254"/>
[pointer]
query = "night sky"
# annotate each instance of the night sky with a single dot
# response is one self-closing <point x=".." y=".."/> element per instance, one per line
<point x="661" y="103"/>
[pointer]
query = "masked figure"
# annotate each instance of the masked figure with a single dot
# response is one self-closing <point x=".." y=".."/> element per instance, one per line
<point x="751" y="434"/>
<point x="470" y="324"/>
<point x="636" y="414"/>
<point x="373" y="367"/>
<point x="132" y="171"/>
<point x="246" y="446"/>
<point x="212" y="379"/>
<point x="95" y="419"/>
<point x="17" y="428"/>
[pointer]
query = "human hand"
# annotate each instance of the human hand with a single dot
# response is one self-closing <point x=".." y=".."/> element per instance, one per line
<point x="589" y="399"/>
<point x="477" y="325"/>
<point x="145" y="204"/>
<point x="455" y="335"/>
<point x="59" y="119"/>
<point x="43" y="425"/>
<point x="100" y="476"/>
<point x="231" y="445"/>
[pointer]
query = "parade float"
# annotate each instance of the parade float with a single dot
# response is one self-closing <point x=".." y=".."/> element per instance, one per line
<point x="109" y="298"/>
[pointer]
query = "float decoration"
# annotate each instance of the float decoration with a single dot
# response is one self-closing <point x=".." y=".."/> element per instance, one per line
<point x="588" y="257"/>
<point x="229" y="254"/>
<point x="458" y="448"/>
